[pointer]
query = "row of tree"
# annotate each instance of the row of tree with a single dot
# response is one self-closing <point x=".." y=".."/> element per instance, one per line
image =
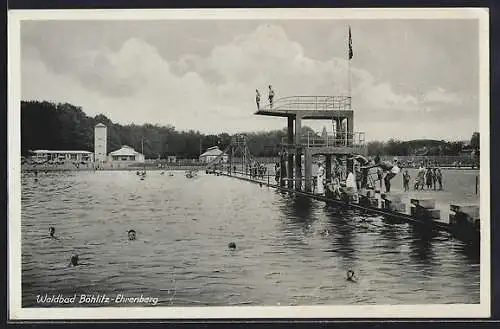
<point x="46" y="125"/>
<point x="423" y="147"/>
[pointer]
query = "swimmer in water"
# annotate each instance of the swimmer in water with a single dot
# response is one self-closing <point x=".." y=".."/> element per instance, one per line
<point x="350" y="276"/>
<point x="131" y="235"/>
<point x="232" y="245"/>
<point x="52" y="232"/>
<point x="74" y="260"/>
<point x="325" y="232"/>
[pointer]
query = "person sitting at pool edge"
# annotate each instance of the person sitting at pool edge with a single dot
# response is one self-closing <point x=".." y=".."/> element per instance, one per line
<point x="335" y="188"/>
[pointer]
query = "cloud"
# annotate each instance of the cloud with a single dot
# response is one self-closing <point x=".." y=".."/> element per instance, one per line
<point x="211" y="93"/>
<point x="441" y="96"/>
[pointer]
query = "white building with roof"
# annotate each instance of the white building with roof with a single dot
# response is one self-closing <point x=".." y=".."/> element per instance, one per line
<point x="212" y="153"/>
<point x="53" y="156"/>
<point x="125" y="154"/>
<point x="100" y="142"/>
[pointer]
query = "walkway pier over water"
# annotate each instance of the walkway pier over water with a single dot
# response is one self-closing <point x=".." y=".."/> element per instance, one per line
<point x="298" y="149"/>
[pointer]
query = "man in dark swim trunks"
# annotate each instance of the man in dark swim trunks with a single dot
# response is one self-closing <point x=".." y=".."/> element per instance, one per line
<point x="271" y="96"/>
<point x="257" y="98"/>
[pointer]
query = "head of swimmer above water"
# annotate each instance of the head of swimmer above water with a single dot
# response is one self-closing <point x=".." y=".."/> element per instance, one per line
<point x="350" y="275"/>
<point x="52" y="230"/>
<point x="131" y="235"/>
<point x="74" y="260"/>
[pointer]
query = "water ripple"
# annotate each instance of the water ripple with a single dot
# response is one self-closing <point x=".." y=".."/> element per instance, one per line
<point x="290" y="251"/>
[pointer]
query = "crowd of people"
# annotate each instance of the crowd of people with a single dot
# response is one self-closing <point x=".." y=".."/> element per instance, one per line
<point x="257" y="170"/>
<point x="429" y="177"/>
<point x="361" y="173"/>
<point x="356" y="174"/>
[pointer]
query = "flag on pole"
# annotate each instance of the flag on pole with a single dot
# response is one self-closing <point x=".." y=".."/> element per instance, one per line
<point x="350" y="44"/>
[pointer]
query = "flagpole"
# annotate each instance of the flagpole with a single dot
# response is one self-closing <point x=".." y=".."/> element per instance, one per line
<point x="349" y="57"/>
<point x="349" y="77"/>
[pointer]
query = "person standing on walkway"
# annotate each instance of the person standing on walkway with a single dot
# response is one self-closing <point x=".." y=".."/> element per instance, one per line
<point x="428" y="178"/>
<point x="439" y="177"/>
<point x="434" y="178"/>
<point x="320" y="181"/>
<point x="271" y="96"/>
<point x="380" y="177"/>
<point x="350" y="183"/>
<point x="420" y="177"/>
<point x="359" y="177"/>
<point x="277" y="172"/>
<point x="361" y="172"/>
<point x="257" y="98"/>
<point x="406" y="181"/>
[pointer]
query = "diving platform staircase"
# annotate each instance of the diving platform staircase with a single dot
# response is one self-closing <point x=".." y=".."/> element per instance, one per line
<point x="238" y="153"/>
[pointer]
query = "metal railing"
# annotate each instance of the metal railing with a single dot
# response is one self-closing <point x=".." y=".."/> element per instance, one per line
<point x="317" y="103"/>
<point x="356" y="139"/>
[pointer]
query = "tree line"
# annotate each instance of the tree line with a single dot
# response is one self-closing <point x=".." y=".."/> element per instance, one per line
<point x="423" y="147"/>
<point x="46" y="125"/>
<point x="62" y="126"/>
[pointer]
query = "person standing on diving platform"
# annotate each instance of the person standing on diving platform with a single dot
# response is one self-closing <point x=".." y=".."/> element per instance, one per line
<point x="271" y="96"/>
<point x="257" y="98"/>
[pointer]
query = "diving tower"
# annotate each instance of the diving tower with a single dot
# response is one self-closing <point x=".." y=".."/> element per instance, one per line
<point x="300" y="148"/>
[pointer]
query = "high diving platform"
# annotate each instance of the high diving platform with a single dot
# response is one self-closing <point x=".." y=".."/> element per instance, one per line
<point x="308" y="107"/>
<point x="293" y="171"/>
<point x="298" y="149"/>
<point x="294" y="168"/>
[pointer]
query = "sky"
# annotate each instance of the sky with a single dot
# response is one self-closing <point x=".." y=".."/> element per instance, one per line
<point x="410" y="78"/>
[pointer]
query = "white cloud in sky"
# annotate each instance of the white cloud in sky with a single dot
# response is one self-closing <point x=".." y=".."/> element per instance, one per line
<point x="441" y="96"/>
<point x="214" y="92"/>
